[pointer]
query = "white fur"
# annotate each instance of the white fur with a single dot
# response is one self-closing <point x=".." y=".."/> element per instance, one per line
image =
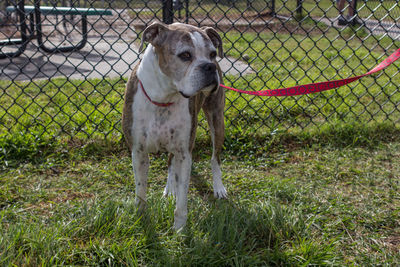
<point x="161" y="129"/>
<point x="166" y="129"/>
<point x="158" y="85"/>
<point x="200" y="46"/>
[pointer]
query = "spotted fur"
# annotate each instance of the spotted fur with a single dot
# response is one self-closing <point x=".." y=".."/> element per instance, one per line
<point x="167" y="78"/>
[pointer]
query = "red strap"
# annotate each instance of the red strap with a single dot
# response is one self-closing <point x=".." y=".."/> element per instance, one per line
<point x="317" y="87"/>
<point x="154" y="102"/>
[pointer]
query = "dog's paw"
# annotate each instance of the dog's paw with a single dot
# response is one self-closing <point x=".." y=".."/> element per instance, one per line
<point x="169" y="190"/>
<point x="179" y="224"/>
<point x="141" y="206"/>
<point x="220" y="192"/>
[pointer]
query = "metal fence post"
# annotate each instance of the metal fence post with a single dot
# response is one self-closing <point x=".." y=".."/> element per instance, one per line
<point x="168" y="12"/>
<point x="299" y="9"/>
<point x="273" y="8"/>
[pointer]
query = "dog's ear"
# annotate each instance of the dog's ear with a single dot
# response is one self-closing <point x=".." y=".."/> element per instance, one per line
<point x="215" y="39"/>
<point x="154" y="34"/>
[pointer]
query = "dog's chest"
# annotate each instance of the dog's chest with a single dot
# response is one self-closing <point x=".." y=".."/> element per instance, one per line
<point x="161" y="128"/>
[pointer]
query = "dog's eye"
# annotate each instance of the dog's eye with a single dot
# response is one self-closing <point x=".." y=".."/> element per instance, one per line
<point x="185" y="56"/>
<point x="213" y="54"/>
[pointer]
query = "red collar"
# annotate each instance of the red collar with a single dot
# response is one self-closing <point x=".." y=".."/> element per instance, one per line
<point x="154" y="102"/>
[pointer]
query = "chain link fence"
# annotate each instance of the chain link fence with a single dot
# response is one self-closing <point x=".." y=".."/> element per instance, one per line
<point x="63" y="70"/>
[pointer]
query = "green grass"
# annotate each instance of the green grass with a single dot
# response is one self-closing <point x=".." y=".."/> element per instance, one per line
<point x="313" y="180"/>
<point x="323" y="198"/>
<point x="387" y="10"/>
<point x="280" y="60"/>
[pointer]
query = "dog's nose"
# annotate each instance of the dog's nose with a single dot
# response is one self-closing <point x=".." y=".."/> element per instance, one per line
<point x="209" y="67"/>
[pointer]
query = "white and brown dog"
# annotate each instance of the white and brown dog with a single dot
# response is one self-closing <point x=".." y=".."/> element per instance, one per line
<point x="177" y="76"/>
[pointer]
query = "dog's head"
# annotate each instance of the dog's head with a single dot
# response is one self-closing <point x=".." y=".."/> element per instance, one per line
<point x="186" y="54"/>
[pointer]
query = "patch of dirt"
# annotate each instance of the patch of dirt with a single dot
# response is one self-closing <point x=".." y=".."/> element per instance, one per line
<point x="7" y="30"/>
<point x="70" y="195"/>
<point x="45" y="207"/>
<point x="393" y="242"/>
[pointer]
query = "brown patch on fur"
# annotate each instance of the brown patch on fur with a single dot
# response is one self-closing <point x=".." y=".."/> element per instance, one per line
<point x="215" y="39"/>
<point x="166" y="52"/>
<point x="127" y="115"/>
<point x="213" y="107"/>
<point x="195" y="104"/>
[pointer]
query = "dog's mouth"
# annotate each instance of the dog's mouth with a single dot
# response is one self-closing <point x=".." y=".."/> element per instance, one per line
<point x="185" y="96"/>
<point x="216" y="85"/>
<point x="211" y="88"/>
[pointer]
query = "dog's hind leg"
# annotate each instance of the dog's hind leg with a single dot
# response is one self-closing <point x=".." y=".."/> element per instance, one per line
<point x="140" y="161"/>
<point x="214" y="111"/>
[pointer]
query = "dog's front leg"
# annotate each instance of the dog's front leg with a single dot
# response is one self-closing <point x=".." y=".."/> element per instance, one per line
<point x="140" y="161"/>
<point x="170" y="188"/>
<point x="182" y="166"/>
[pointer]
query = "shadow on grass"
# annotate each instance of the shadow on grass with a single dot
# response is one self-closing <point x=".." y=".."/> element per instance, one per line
<point x="229" y="233"/>
<point x="201" y="185"/>
<point x="251" y="143"/>
<point x="111" y="232"/>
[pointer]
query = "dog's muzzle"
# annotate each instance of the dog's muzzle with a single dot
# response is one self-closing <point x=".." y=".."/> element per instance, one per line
<point x="210" y="76"/>
<point x="209" y="68"/>
<point x="206" y="80"/>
